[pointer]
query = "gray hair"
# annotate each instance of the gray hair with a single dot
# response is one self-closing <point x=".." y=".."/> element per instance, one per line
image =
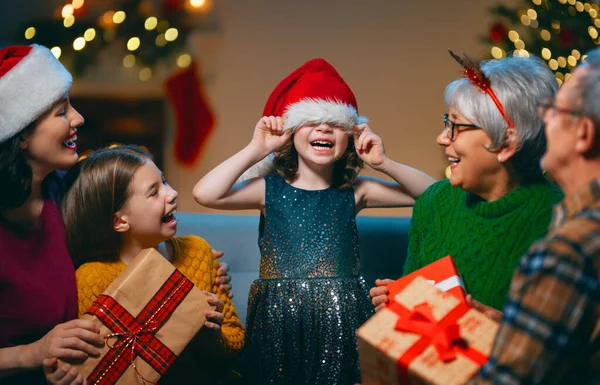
<point x="519" y="83"/>
<point x="588" y="88"/>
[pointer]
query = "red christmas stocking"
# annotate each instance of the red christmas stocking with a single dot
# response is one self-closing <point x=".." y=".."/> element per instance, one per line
<point x="193" y="118"/>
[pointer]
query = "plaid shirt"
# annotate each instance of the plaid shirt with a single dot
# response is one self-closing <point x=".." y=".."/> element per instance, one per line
<point x="550" y="332"/>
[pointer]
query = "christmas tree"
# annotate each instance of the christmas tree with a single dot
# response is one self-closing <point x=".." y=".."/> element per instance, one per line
<point x="559" y="31"/>
<point x="147" y="31"/>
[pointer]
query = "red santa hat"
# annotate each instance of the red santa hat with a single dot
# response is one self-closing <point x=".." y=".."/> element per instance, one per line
<point x="31" y="81"/>
<point x="312" y="94"/>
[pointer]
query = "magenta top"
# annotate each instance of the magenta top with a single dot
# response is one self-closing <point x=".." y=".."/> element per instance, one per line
<point x="37" y="282"/>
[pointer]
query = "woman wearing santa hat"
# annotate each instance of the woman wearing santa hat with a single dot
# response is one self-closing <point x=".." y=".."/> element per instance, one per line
<point x="38" y="297"/>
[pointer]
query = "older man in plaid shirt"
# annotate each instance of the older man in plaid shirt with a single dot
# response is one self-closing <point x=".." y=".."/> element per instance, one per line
<point x="550" y="329"/>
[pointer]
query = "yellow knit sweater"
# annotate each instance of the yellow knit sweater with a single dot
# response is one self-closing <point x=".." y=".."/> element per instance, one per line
<point x="194" y="258"/>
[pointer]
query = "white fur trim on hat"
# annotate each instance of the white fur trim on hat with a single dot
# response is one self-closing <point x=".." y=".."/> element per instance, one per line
<point x="308" y="112"/>
<point x="29" y="89"/>
<point x="314" y="111"/>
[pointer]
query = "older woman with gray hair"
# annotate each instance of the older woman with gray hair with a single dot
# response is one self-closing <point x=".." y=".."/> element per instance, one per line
<point x="496" y="201"/>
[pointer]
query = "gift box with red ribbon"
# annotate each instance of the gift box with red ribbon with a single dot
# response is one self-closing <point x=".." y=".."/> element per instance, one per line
<point x="147" y="316"/>
<point x="424" y="336"/>
<point x="442" y="273"/>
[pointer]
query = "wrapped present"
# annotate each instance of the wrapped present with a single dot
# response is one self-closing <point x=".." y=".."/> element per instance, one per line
<point x="147" y="316"/>
<point x="442" y="273"/>
<point x="425" y="336"/>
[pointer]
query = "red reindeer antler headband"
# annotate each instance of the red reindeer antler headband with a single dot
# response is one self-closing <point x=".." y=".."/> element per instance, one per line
<point x="473" y="72"/>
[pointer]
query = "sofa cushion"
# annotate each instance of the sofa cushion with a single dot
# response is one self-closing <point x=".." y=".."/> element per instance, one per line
<point x="383" y="244"/>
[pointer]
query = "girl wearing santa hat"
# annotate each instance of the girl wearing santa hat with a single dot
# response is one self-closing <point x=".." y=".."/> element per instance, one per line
<point x="310" y="299"/>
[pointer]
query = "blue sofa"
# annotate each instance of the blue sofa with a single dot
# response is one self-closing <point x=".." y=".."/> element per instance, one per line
<point x="383" y="244"/>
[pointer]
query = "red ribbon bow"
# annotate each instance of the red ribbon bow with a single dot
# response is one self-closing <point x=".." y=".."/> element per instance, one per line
<point x="136" y="334"/>
<point x="422" y="321"/>
<point x="443" y="334"/>
<point x="132" y="340"/>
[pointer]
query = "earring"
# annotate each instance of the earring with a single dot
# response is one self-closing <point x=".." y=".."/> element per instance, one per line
<point x="499" y="159"/>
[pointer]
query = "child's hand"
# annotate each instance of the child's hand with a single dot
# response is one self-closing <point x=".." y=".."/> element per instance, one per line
<point x="369" y="146"/>
<point x="269" y="135"/>
<point x="223" y="278"/>
<point x="214" y="318"/>
<point x="379" y="293"/>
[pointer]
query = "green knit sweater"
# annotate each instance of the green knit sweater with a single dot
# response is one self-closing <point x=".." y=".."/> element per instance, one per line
<point x="485" y="239"/>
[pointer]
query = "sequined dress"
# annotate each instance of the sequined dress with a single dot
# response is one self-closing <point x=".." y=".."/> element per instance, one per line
<point x="304" y="310"/>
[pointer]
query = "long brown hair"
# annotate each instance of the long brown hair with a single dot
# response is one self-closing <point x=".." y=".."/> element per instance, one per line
<point x="96" y="188"/>
<point x="345" y="169"/>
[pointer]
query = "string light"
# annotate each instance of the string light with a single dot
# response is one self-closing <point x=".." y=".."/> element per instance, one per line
<point x="118" y="17"/>
<point x="89" y="34"/>
<point x="150" y="23"/>
<point x="69" y="21"/>
<point x="103" y="26"/>
<point x="145" y="74"/>
<point x="521" y="53"/>
<point x="537" y="2"/>
<point x="519" y="44"/>
<point x="571" y="61"/>
<point x="562" y="62"/>
<point x="593" y="32"/>
<point x="525" y="20"/>
<point x="160" y="40"/>
<point x="197" y="3"/>
<point x="133" y="43"/>
<point x="129" y="61"/>
<point x="107" y="19"/>
<point x="545" y="34"/>
<point x="513" y="35"/>
<point x="171" y="34"/>
<point x="79" y="44"/>
<point x="29" y="33"/>
<point x="184" y="60"/>
<point x="553" y="64"/>
<point x="532" y="14"/>
<point x="546" y="54"/>
<point x="67" y="11"/>
<point x="497" y="52"/>
<point x="56" y="51"/>
<point x="576" y="54"/>
<point x="579" y="6"/>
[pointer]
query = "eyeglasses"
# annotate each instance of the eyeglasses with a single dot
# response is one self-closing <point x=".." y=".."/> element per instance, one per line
<point x="451" y="125"/>
<point x="549" y="104"/>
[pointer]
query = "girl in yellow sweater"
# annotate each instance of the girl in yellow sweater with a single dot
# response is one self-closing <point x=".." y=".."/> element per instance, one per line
<point x="118" y="203"/>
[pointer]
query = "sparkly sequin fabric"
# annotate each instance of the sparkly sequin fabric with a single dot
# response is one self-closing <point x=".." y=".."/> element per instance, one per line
<point x="304" y="310"/>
